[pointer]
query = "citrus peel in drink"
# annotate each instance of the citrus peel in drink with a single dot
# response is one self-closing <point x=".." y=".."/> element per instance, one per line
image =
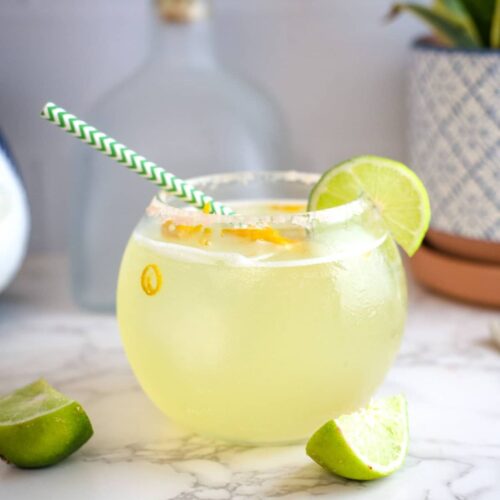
<point x="267" y="234"/>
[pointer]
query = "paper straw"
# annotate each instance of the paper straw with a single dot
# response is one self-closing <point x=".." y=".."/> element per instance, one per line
<point x="135" y="162"/>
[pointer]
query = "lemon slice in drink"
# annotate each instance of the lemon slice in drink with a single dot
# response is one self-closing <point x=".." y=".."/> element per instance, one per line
<point x="393" y="188"/>
<point x="368" y="444"/>
<point x="39" y="426"/>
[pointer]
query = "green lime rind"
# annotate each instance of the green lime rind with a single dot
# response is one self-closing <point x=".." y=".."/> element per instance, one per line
<point x="365" y="445"/>
<point x="394" y="189"/>
<point x="39" y="426"/>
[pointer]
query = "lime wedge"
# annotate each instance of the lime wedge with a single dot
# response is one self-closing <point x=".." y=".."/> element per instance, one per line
<point x="367" y="444"/>
<point x="392" y="187"/>
<point x="39" y="426"/>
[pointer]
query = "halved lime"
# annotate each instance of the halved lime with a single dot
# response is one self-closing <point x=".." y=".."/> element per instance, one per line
<point x="367" y="444"/>
<point x="394" y="189"/>
<point x="39" y="426"/>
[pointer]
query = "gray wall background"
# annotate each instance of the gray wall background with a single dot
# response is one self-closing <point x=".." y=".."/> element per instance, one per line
<point x="334" y="66"/>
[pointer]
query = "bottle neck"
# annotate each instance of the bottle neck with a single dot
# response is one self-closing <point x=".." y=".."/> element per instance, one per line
<point x="184" y="45"/>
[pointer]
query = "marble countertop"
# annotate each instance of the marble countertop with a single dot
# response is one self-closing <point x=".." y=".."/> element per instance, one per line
<point x="448" y="368"/>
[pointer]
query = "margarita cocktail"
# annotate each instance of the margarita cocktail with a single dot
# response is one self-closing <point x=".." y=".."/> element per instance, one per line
<point x="259" y="327"/>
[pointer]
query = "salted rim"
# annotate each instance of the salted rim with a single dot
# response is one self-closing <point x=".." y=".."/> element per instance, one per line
<point x="162" y="205"/>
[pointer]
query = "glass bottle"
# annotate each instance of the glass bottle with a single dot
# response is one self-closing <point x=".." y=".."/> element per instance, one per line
<point x="180" y="109"/>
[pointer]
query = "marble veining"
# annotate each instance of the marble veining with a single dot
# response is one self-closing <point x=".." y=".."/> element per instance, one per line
<point x="448" y="367"/>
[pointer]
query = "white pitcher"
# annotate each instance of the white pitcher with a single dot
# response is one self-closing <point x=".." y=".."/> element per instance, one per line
<point x="14" y="218"/>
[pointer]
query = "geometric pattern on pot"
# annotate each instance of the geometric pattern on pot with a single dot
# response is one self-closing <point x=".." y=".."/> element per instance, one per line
<point x="454" y="137"/>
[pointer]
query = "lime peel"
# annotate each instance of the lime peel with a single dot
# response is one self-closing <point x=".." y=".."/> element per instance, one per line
<point x="368" y="444"/>
<point x="394" y="189"/>
<point x="39" y="426"/>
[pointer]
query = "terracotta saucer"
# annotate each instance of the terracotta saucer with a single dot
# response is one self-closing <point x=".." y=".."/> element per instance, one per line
<point x="479" y="250"/>
<point x="456" y="277"/>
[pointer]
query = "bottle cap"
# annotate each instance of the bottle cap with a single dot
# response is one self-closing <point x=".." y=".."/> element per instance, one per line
<point x="182" y="11"/>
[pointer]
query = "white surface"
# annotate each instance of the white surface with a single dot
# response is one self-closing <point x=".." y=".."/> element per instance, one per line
<point x="335" y="67"/>
<point x="448" y="368"/>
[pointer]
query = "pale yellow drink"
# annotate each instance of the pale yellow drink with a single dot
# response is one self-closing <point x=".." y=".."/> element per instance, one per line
<point x="261" y="339"/>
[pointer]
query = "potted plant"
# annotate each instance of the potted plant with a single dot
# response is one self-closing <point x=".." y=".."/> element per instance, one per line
<point x="454" y="123"/>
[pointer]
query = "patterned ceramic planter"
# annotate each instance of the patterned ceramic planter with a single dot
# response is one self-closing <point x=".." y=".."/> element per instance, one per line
<point x="454" y="138"/>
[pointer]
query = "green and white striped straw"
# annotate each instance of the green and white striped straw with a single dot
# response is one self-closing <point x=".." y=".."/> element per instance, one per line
<point x="132" y="160"/>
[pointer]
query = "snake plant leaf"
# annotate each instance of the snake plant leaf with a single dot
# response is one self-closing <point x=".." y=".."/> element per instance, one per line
<point x="455" y="10"/>
<point x="495" y="27"/>
<point x="451" y="31"/>
<point x="482" y="13"/>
